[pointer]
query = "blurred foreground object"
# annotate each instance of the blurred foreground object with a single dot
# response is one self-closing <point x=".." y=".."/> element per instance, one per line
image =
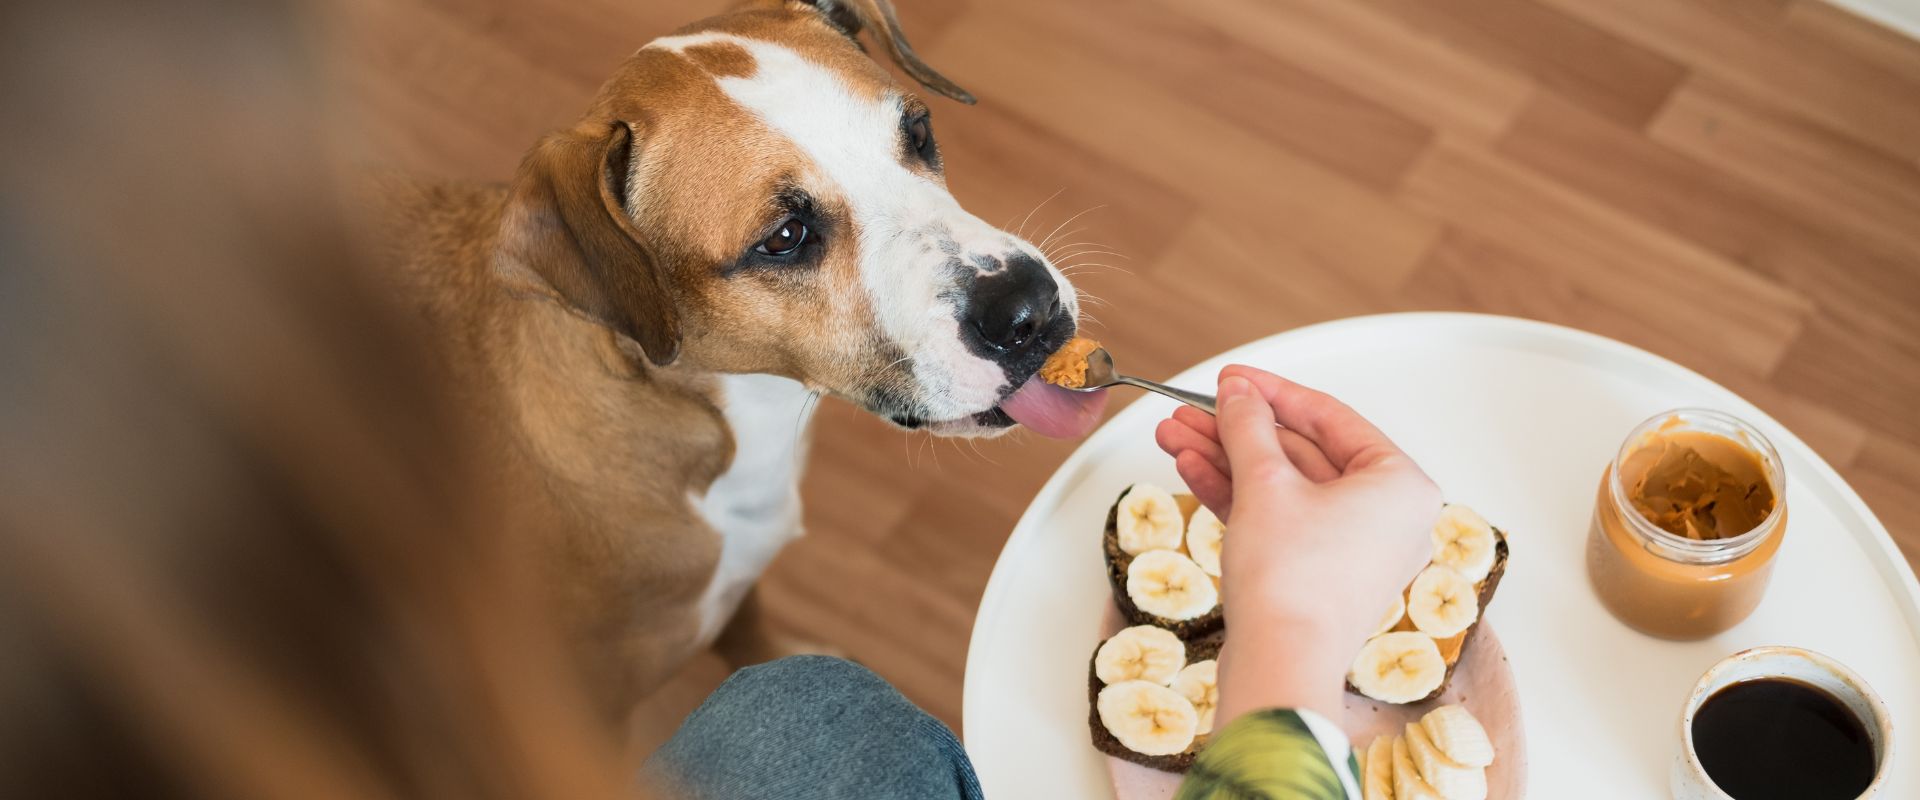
<point x="243" y="551"/>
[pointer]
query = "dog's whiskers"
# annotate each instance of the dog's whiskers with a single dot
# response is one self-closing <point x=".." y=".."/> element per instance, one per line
<point x="1055" y="242"/>
<point x="807" y="407"/>
<point x="1084" y="265"/>
<point x="1091" y="251"/>
<point x="927" y="442"/>
<point x="1064" y="243"/>
<point x="882" y="368"/>
<point x="1057" y="228"/>
<point x="1089" y="298"/>
<point x="1021" y="231"/>
<point x="974" y="444"/>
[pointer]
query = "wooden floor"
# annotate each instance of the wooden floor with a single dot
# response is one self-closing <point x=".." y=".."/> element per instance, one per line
<point x="1734" y="184"/>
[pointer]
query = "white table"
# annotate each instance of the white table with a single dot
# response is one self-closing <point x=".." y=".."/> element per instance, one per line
<point x="1515" y="418"/>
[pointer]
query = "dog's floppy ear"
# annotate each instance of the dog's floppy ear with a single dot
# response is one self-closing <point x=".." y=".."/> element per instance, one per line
<point x="877" y="15"/>
<point x="567" y="220"/>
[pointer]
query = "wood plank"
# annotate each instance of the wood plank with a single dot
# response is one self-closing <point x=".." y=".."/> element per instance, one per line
<point x="1221" y="283"/>
<point x="882" y="617"/>
<point x="1227" y="264"/>
<point x="1829" y="27"/>
<point x="1472" y="271"/>
<point x="1675" y="288"/>
<point x="1376" y="56"/>
<point x="1756" y="52"/>
<point x="861" y="480"/>
<point x="657" y="717"/>
<point x="1884" y="477"/>
<point x="1217" y="71"/>
<point x="1208" y="159"/>
<point x="1678" y="193"/>
<point x="445" y="84"/>
<point x="1023" y="174"/>
<point x="1869" y="377"/>
<point x="1610" y="74"/>
<point x="1466" y="272"/>
<point x="1820" y="173"/>
<point x="583" y="40"/>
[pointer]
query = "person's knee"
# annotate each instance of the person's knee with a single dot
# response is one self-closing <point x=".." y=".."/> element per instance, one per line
<point x="821" y="689"/>
<point x="824" y="671"/>
<point x="818" y="726"/>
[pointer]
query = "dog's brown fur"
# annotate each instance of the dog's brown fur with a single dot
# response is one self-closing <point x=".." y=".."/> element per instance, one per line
<point x="582" y="444"/>
<point x="599" y="383"/>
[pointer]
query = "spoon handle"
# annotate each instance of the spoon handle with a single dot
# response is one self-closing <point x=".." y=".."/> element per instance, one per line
<point x="1204" y="402"/>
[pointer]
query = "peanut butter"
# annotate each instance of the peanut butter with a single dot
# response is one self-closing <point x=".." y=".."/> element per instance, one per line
<point x="1682" y="544"/>
<point x="1698" y="485"/>
<point x="1067" y="367"/>
<point x="1450" y="647"/>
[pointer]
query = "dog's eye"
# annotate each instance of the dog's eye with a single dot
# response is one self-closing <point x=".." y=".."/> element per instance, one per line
<point x="920" y="135"/>
<point x="784" y="241"/>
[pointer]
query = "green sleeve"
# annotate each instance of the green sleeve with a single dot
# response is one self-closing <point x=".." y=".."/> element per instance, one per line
<point x="1276" y="754"/>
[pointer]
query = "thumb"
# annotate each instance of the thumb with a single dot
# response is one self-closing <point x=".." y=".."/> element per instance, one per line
<point x="1247" y="430"/>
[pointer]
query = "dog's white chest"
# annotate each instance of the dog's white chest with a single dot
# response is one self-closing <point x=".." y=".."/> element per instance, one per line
<point x="755" y="504"/>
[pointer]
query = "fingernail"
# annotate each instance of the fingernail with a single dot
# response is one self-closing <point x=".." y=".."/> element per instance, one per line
<point x="1235" y="387"/>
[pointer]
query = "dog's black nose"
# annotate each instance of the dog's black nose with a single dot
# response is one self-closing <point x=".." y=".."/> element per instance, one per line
<point x="1012" y="306"/>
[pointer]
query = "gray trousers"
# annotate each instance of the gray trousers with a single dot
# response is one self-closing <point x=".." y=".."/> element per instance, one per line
<point x="812" y="728"/>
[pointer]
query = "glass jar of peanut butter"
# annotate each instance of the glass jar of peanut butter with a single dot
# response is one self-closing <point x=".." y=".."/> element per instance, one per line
<point x="1689" y="515"/>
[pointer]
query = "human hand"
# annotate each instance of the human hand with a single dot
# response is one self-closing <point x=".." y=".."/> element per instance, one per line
<point x="1327" y="520"/>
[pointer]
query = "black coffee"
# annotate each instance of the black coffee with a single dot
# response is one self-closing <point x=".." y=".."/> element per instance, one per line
<point x="1778" y="739"/>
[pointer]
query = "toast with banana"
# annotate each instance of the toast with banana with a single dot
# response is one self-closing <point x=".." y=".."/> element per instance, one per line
<point x="1163" y="560"/>
<point x="1412" y="656"/>
<point x="1150" y="687"/>
<point x="1151" y="696"/>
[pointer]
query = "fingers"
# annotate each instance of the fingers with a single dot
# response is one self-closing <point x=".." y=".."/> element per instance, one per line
<point x="1193" y="429"/>
<point x="1246" y="430"/>
<point x="1210" y="485"/>
<point x="1306" y="457"/>
<point x="1183" y="433"/>
<point x="1198" y="420"/>
<point x="1340" y="432"/>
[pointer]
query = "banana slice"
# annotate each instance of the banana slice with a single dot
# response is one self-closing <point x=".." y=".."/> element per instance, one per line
<point x="1376" y="774"/>
<point x="1205" y="533"/>
<point x="1407" y="783"/>
<point x="1142" y="652"/>
<point x="1453" y="780"/>
<point x="1148" y="718"/>
<point x="1199" y="684"/>
<point x="1453" y="729"/>
<point x="1442" y="602"/>
<point x="1393" y="615"/>
<point x="1464" y="541"/>
<point x="1398" y="667"/>
<point x="1166" y="584"/>
<point x="1148" y="519"/>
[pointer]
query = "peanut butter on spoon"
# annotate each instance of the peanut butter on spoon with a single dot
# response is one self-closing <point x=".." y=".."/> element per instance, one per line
<point x="1067" y="368"/>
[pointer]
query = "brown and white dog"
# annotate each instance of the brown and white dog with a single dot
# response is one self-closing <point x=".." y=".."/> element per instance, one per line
<point x="750" y="214"/>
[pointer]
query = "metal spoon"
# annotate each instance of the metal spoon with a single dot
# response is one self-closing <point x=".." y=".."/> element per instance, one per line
<point x="1100" y="375"/>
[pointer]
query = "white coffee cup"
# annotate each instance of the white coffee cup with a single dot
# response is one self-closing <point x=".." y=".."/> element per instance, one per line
<point x="1690" y="781"/>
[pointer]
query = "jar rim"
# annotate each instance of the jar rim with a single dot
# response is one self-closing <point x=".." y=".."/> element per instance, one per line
<point x="1703" y="550"/>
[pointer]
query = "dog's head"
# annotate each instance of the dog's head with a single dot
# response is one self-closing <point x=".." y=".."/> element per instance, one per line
<point x="753" y="194"/>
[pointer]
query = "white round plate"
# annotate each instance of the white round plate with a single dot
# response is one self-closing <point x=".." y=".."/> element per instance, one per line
<point x="1516" y="419"/>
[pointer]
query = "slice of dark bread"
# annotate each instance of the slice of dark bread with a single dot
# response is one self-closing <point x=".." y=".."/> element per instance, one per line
<point x="1198" y="650"/>
<point x="1487" y="587"/>
<point x="1117" y="562"/>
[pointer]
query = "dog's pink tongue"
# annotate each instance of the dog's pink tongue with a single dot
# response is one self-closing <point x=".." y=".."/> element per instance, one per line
<point x="1054" y="412"/>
